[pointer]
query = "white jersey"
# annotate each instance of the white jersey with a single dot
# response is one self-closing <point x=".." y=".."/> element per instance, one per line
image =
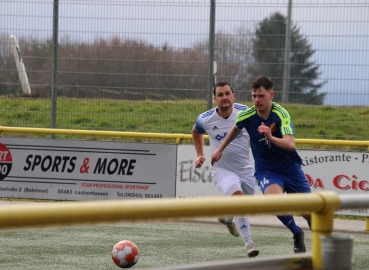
<point x="236" y="156"/>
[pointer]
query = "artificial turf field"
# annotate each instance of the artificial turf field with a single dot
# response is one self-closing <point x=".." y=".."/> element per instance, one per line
<point x="161" y="244"/>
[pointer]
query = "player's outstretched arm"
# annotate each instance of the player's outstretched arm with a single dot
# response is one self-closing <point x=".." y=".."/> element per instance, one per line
<point x="198" y="141"/>
<point x="286" y="143"/>
<point x="231" y="135"/>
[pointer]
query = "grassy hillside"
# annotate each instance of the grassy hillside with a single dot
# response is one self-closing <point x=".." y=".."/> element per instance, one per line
<point x="171" y="116"/>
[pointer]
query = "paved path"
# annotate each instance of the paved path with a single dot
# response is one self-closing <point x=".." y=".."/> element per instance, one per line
<point x="339" y="225"/>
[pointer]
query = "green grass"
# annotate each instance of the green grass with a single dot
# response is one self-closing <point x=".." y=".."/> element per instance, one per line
<point x="348" y="217"/>
<point x="161" y="244"/>
<point x="171" y="116"/>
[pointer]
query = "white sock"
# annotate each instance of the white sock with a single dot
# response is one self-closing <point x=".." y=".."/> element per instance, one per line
<point x="243" y="226"/>
<point x="228" y="219"/>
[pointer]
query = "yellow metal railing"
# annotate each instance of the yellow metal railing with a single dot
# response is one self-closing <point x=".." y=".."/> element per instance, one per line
<point x="178" y="137"/>
<point x="322" y="205"/>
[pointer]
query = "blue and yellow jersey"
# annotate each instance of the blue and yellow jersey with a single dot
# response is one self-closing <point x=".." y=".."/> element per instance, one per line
<point x="267" y="156"/>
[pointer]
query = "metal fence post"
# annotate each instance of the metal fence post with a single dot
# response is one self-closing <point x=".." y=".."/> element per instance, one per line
<point x="55" y="66"/>
<point x="322" y="224"/>
<point x="211" y="54"/>
<point x="286" y="70"/>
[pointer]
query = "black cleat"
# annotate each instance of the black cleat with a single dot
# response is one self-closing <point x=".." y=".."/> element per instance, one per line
<point x="298" y="241"/>
<point x="252" y="250"/>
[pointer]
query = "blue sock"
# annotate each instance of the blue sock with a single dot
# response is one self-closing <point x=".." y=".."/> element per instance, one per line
<point x="289" y="222"/>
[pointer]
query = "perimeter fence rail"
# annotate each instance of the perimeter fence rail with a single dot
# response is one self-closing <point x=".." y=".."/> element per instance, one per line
<point x="149" y="65"/>
<point x="177" y="137"/>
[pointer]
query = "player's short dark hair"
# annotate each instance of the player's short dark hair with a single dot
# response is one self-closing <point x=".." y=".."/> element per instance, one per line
<point x="262" y="81"/>
<point x="221" y="84"/>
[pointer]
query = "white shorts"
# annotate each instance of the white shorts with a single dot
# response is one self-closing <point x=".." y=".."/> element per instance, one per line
<point x="229" y="182"/>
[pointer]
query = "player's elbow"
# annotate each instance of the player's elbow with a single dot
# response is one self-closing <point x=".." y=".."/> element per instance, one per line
<point x="290" y="146"/>
<point x="289" y="143"/>
<point x="193" y="131"/>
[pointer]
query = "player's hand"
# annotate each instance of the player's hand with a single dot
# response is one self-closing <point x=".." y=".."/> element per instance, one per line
<point x="215" y="156"/>
<point x="265" y="130"/>
<point x="199" y="161"/>
<point x="262" y="128"/>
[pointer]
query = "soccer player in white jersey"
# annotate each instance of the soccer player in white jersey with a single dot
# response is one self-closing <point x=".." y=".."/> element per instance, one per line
<point x="234" y="173"/>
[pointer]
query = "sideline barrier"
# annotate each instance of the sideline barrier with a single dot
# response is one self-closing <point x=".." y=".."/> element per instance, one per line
<point x="177" y="137"/>
<point x="357" y="201"/>
<point x="322" y="205"/>
<point x="291" y="262"/>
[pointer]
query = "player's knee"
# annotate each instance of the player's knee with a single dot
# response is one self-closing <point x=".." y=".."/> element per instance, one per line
<point x="234" y="190"/>
<point x="273" y="189"/>
<point x="238" y="192"/>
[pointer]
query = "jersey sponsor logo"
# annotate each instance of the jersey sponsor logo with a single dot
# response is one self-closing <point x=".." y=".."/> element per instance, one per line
<point x="215" y="128"/>
<point x="266" y="141"/>
<point x="273" y="127"/>
<point x="219" y="137"/>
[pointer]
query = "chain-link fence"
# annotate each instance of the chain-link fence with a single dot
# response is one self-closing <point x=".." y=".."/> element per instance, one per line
<point x="149" y="65"/>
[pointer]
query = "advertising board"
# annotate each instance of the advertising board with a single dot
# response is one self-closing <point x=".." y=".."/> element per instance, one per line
<point x="339" y="171"/>
<point x="85" y="170"/>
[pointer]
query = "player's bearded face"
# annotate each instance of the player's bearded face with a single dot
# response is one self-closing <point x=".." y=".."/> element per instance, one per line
<point x="224" y="97"/>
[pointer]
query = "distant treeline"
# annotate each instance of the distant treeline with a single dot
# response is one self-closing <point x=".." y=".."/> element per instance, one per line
<point x="107" y="68"/>
<point x="136" y="70"/>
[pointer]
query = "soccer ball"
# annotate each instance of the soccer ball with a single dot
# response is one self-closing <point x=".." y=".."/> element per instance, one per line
<point x="125" y="254"/>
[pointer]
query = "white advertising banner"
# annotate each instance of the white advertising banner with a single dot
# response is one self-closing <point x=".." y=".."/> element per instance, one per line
<point x="96" y="170"/>
<point x="191" y="181"/>
<point x="342" y="172"/>
<point x="85" y="170"/>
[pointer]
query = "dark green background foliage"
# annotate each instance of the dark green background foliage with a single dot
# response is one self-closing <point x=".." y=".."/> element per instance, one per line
<point x="269" y="53"/>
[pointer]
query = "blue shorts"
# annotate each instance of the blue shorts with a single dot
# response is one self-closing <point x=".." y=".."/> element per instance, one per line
<point x="292" y="181"/>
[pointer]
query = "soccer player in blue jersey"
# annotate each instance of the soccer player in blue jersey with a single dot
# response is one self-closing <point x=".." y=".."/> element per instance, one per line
<point x="234" y="175"/>
<point x="277" y="163"/>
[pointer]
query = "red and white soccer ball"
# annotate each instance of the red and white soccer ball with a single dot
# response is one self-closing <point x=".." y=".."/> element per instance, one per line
<point x="125" y="254"/>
